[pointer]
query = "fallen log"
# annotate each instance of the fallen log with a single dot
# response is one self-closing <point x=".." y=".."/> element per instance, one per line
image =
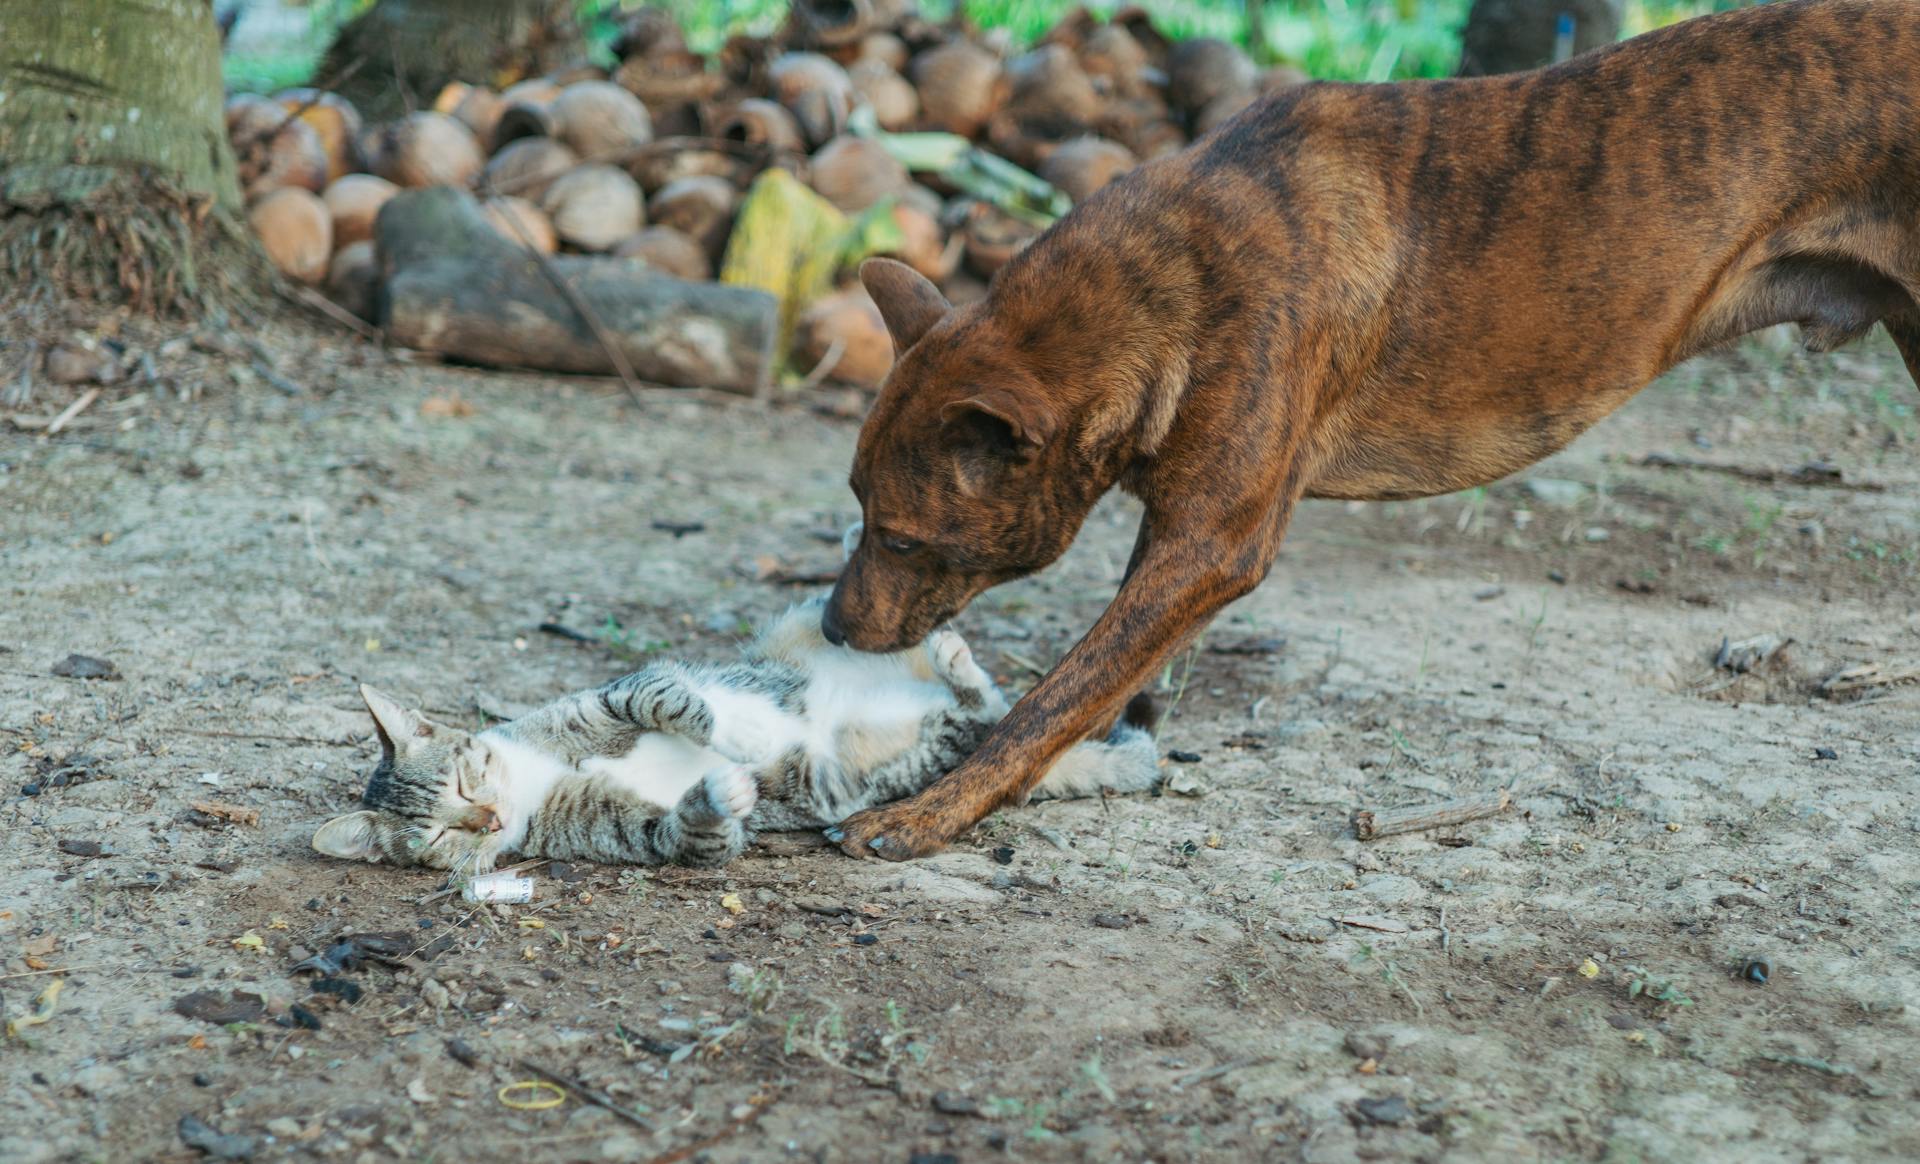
<point x="452" y="284"/>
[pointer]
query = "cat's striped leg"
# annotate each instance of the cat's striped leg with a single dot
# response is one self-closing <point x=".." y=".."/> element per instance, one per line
<point x="709" y="825"/>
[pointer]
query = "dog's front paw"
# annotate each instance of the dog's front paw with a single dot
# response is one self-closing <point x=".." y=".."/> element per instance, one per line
<point x="895" y="832"/>
<point x="732" y="791"/>
<point x="954" y="663"/>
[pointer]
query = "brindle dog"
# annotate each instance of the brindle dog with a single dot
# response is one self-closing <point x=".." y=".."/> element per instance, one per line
<point x="1363" y="291"/>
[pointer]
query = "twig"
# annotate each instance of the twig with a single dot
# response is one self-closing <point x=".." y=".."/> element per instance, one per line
<point x="1370" y="825"/>
<point x="55" y="970"/>
<point x="262" y="736"/>
<point x="827" y="364"/>
<point x="1813" y="473"/>
<point x="72" y="410"/>
<point x="628" y="379"/>
<point x="1193" y="1077"/>
<point x="308" y="297"/>
<point x="593" y="1096"/>
<point x="759" y="1104"/>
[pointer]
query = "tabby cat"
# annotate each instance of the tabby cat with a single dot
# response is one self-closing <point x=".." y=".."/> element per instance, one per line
<point x="681" y="763"/>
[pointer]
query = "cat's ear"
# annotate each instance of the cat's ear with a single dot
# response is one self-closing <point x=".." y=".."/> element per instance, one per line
<point x="353" y="837"/>
<point x="394" y="723"/>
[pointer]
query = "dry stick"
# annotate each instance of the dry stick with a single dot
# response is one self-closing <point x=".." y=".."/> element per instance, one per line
<point x="1370" y="825"/>
<point x="628" y="379"/>
<point x="598" y="1099"/>
<point x="1810" y="474"/>
<point x="759" y="1104"/>
<point x="75" y="409"/>
<point x="308" y="297"/>
<point x="827" y="364"/>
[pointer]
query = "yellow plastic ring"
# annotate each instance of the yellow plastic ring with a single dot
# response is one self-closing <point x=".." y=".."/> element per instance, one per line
<point x="532" y="1087"/>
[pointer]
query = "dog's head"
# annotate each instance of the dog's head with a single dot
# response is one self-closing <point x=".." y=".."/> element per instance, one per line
<point x="958" y="471"/>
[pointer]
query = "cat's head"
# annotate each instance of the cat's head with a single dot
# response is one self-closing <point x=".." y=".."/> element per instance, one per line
<point x="432" y="800"/>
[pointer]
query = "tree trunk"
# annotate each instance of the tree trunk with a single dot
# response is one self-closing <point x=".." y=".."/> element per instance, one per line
<point x="399" y="54"/>
<point x="116" y="180"/>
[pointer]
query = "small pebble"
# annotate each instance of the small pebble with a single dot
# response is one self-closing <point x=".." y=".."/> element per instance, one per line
<point x="1825" y="754"/>
<point x="1391" y="1110"/>
<point x="1180" y="757"/>
<point x="202" y="1079"/>
<point x="1112" y="921"/>
<point x="865" y="939"/>
<point x="1004" y="854"/>
<point x="1757" y="970"/>
<point x="955" y="1103"/>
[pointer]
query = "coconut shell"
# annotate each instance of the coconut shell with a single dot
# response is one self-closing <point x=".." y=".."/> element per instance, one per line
<point x="272" y="151"/>
<point x="656" y="169"/>
<point x="1083" y="165"/>
<point x="296" y="231"/>
<point x="594" y="206"/>
<point x="816" y="91"/>
<point x="527" y="166"/>
<point x="648" y="30"/>
<point x="925" y="249"/>
<point x="335" y="120"/>
<point x="1221" y="110"/>
<point x="896" y="104"/>
<point x="1281" y="77"/>
<point x="960" y="87"/>
<point x="1202" y="70"/>
<point x="849" y="317"/>
<point x="524" y="110"/>
<point x="450" y="96"/>
<point x="479" y="109"/>
<point x="757" y="121"/>
<point x="853" y="173"/>
<point x="520" y="222"/>
<point x="669" y="251"/>
<point x="1049" y="84"/>
<point x="993" y="238"/>
<point x="353" y="278"/>
<point x="886" y="48"/>
<point x="829" y="24"/>
<point x="667" y="81"/>
<point x="1138" y="23"/>
<point x="700" y="208"/>
<point x="599" y="119"/>
<point x="1114" y="60"/>
<point x="353" y="202"/>
<point x="428" y="149"/>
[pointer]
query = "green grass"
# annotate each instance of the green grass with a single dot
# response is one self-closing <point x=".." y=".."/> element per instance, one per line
<point x="1344" y="40"/>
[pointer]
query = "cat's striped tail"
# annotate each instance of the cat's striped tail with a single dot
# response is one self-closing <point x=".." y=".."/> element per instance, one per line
<point x="1128" y="760"/>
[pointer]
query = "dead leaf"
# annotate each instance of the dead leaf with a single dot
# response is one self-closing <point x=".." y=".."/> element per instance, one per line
<point x="42" y="945"/>
<point x="250" y="941"/>
<point x="732" y="904"/>
<point x="451" y="406"/>
<point x="44" y="1005"/>
<point x="1385" y="925"/>
<point x="234" y="813"/>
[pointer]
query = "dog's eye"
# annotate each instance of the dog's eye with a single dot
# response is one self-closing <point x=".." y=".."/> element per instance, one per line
<point x="900" y="545"/>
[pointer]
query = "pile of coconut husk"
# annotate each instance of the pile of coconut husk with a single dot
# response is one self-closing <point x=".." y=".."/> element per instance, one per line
<point x="743" y="186"/>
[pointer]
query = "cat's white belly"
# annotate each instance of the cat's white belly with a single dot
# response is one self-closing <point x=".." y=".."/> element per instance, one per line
<point x="659" y="769"/>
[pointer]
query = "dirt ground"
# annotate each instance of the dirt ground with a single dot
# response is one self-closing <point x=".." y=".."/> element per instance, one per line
<point x="1219" y="973"/>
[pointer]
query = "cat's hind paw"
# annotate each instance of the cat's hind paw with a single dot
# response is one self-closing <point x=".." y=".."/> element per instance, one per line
<point x="732" y="791"/>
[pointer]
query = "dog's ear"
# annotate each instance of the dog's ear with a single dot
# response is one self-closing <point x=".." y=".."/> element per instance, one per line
<point x="1012" y="424"/>
<point x="907" y="300"/>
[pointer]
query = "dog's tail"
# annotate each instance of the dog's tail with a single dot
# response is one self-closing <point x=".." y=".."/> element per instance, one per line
<point x="1128" y="760"/>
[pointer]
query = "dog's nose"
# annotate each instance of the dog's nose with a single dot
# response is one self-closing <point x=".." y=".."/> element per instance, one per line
<point x="830" y="623"/>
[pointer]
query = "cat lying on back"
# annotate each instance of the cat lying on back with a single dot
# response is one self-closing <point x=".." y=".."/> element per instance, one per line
<point x="679" y="763"/>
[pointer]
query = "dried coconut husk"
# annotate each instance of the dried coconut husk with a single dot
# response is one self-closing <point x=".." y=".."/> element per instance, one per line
<point x="353" y="279"/>
<point x="1049" y="84"/>
<point x="1221" y="110"/>
<point x="701" y="208"/>
<point x="520" y="221"/>
<point x="525" y="110"/>
<point x="527" y="166"/>
<point x="1115" y="61"/>
<point x="846" y="327"/>
<point x="757" y="121"/>
<point x="600" y="120"/>
<point x="816" y="91"/>
<point x="854" y="173"/>
<point x="475" y="106"/>
<point x="926" y="248"/>
<point x="668" y="161"/>
<point x="1083" y="165"/>
<point x="896" y="104"/>
<point x="1273" y="80"/>
<point x="747" y="62"/>
<point x="668" y="250"/>
<point x="427" y="149"/>
<point x="669" y="82"/>
<point x="648" y="30"/>
<point x="274" y="152"/>
<point x="885" y="48"/>
<point x="994" y="238"/>
<point x="295" y="230"/>
<point x="594" y="206"/>
<point x="821" y="25"/>
<point x="336" y="122"/>
<point x="1138" y="23"/>
<point x="960" y="86"/>
<point x="353" y="202"/>
<point x="1202" y="70"/>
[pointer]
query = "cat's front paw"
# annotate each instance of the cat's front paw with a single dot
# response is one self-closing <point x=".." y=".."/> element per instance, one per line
<point x="954" y="663"/>
<point x="732" y="791"/>
<point x="743" y="739"/>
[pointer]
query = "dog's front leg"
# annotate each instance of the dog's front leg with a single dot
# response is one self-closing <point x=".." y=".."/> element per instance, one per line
<point x="1183" y="577"/>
